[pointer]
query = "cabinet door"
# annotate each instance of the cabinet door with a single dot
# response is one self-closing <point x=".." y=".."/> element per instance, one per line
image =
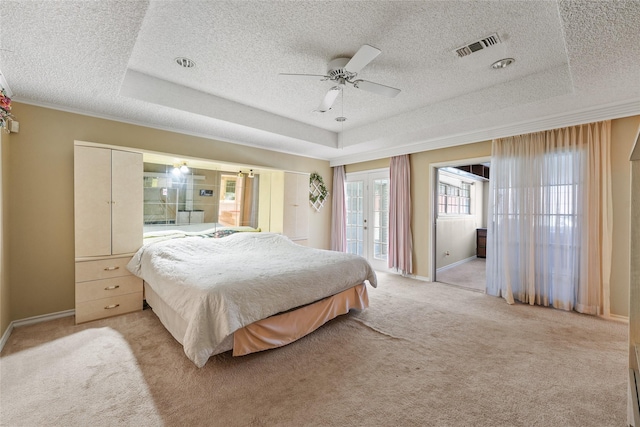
<point x="92" y="194"/>
<point x="127" y="201"/>
<point x="302" y="213"/>
<point x="296" y="206"/>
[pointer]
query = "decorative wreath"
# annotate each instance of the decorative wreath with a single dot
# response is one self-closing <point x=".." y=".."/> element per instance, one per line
<point x="322" y="194"/>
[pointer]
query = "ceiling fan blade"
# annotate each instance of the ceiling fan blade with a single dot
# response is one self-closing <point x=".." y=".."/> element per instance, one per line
<point x="376" y="88"/>
<point x="329" y="99"/>
<point x="363" y="56"/>
<point x="315" y="77"/>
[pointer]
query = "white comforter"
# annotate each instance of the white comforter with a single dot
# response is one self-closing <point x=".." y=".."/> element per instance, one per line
<point x="221" y="285"/>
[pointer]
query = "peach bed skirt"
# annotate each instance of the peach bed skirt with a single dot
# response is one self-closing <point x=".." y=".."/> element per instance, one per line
<point x="282" y="329"/>
<point x="275" y="331"/>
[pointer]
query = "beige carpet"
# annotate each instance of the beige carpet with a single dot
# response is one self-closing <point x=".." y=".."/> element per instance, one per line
<point x="423" y="354"/>
<point x="471" y="274"/>
<point x="86" y="378"/>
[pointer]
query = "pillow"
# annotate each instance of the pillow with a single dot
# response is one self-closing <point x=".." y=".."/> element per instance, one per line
<point x="222" y="233"/>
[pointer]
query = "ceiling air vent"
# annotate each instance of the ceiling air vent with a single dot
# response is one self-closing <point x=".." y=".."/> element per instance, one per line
<point x="484" y="43"/>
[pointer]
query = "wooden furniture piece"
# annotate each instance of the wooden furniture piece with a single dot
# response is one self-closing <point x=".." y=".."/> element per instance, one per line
<point x="105" y="288"/>
<point x="108" y="205"/>
<point x="481" y="242"/>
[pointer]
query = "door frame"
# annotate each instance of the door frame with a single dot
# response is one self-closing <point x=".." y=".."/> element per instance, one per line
<point x="433" y="206"/>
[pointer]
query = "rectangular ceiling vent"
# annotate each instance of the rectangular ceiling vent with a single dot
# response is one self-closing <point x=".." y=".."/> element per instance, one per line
<point x="484" y="43"/>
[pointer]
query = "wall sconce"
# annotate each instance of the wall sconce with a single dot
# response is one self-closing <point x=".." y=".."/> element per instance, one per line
<point x="184" y="168"/>
<point x="240" y="175"/>
<point x="251" y="173"/>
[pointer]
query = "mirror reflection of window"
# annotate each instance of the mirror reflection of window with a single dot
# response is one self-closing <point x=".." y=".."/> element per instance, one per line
<point x="230" y="214"/>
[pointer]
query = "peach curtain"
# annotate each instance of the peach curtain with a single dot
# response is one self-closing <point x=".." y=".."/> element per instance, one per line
<point x="400" y="241"/>
<point x="549" y="234"/>
<point x="338" y="211"/>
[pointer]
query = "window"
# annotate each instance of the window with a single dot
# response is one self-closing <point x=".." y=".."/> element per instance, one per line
<point x="454" y="200"/>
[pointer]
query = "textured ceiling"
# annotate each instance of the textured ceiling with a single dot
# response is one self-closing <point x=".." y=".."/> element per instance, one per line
<point x="576" y="61"/>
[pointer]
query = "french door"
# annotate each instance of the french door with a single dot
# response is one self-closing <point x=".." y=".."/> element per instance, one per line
<point x="367" y="200"/>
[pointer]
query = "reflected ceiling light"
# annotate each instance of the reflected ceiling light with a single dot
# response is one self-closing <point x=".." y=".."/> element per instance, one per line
<point x="176" y="169"/>
<point x="184" y="168"/>
<point x="251" y="173"/>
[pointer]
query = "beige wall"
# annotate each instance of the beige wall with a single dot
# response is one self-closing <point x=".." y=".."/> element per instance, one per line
<point x="367" y="166"/>
<point x="634" y="291"/>
<point x="41" y="261"/>
<point x="5" y="302"/>
<point x="623" y="134"/>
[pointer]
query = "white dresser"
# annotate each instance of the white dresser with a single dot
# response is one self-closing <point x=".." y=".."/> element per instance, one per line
<point x="105" y="288"/>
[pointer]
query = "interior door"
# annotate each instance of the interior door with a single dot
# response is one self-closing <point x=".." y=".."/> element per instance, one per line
<point x="367" y="195"/>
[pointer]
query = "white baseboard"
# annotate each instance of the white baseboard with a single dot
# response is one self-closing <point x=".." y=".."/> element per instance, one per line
<point x="31" y="321"/>
<point x="410" y="276"/>
<point x="455" y="264"/>
<point x="617" y="318"/>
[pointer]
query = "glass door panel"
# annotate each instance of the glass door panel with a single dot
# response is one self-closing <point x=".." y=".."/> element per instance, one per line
<point x="355" y="215"/>
<point x="367" y="203"/>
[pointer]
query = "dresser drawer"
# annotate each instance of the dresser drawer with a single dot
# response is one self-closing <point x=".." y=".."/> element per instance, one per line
<point x="107" y="307"/>
<point x="102" y="269"/>
<point x="105" y="288"/>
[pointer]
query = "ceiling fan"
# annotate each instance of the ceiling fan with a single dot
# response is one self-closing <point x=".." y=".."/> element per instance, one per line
<point x="345" y="70"/>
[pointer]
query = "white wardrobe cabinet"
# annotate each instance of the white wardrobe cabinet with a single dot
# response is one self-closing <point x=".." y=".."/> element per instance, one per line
<point x="108" y="206"/>
<point x="108" y="201"/>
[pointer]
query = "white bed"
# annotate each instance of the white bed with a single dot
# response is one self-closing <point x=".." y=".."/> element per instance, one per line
<point x="205" y="289"/>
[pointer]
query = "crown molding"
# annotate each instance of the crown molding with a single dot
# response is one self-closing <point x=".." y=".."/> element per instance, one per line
<point x="589" y="115"/>
<point x="162" y="128"/>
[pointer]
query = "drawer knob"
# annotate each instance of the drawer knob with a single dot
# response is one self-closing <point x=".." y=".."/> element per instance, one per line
<point x="110" y="288"/>
<point x="111" y="268"/>
<point x="109" y="307"/>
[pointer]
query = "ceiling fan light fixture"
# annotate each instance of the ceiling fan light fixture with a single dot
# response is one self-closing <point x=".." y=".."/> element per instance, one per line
<point x="503" y="63"/>
<point x="345" y="70"/>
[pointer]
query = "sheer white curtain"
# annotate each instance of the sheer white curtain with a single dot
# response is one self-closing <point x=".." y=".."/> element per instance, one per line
<point x="338" y="211"/>
<point x="549" y="231"/>
<point x="400" y="242"/>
